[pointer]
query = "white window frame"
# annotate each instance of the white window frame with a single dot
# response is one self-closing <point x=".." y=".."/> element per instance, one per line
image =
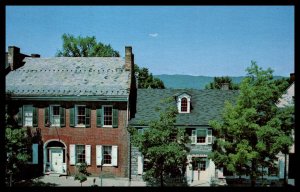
<point x="26" y="114"/>
<point x="112" y="118"/>
<point x="76" y="115"/>
<point x="208" y="136"/>
<point x="73" y="154"/>
<point x="188" y="98"/>
<point x="52" y="116"/>
<point x="100" y="155"/>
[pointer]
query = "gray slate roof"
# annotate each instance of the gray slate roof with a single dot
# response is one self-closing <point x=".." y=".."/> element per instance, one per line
<point x="206" y="105"/>
<point x="69" y="76"/>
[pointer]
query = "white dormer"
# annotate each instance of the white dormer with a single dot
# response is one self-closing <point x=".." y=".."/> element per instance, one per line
<point x="183" y="103"/>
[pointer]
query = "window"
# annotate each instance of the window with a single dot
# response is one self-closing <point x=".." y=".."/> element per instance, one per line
<point x="80" y="154"/>
<point x="28" y="114"/>
<point x="199" y="163"/>
<point x="107" y="154"/>
<point x="80" y="115"/>
<point x="201" y="136"/>
<point x="184" y="105"/>
<point x="202" y="165"/>
<point x="108" y="116"/>
<point x="55" y="116"/>
<point x="183" y="102"/>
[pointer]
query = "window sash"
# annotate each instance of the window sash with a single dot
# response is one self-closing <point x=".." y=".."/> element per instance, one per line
<point x="107" y="155"/>
<point x="107" y="116"/>
<point x="184" y="105"/>
<point x="55" y="115"/>
<point x="80" y="153"/>
<point x="80" y="115"/>
<point x="28" y="115"/>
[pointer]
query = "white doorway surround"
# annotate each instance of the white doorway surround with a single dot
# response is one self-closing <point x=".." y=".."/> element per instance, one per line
<point x="55" y="157"/>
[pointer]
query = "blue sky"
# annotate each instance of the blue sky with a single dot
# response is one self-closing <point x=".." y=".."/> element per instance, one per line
<point x="191" y="40"/>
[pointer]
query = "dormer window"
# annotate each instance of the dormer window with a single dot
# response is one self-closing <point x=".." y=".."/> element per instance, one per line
<point x="183" y="103"/>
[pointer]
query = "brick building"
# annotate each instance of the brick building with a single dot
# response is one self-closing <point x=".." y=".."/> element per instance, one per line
<point x="79" y="107"/>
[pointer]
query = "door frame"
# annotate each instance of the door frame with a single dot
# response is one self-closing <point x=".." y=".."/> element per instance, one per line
<point x="45" y="149"/>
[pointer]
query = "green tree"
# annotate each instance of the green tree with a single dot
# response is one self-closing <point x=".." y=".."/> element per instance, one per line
<point x="163" y="145"/>
<point x="82" y="173"/>
<point x="85" y="47"/>
<point x="17" y="145"/>
<point x="146" y="79"/>
<point x="218" y="81"/>
<point x="253" y="130"/>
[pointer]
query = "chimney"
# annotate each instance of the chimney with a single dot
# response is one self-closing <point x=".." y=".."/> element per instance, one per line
<point x="128" y="58"/>
<point x="224" y="86"/>
<point x="35" y="55"/>
<point x="292" y="77"/>
<point x="13" y="57"/>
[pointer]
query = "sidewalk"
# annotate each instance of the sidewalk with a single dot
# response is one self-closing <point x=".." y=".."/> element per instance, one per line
<point x="106" y="182"/>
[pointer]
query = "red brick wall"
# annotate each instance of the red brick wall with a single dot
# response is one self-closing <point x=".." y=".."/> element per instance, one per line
<point x="92" y="136"/>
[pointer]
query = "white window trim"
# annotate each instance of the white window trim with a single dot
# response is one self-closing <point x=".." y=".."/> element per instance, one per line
<point x="51" y="115"/>
<point x="24" y="116"/>
<point x="206" y="137"/>
<point x="188" y="98"/>
<point x="102" y="154"/>
<point x="76" y="112"/>
<point x="112" y="117"/>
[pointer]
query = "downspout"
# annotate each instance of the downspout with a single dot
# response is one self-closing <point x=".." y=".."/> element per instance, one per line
<point x="129" y="144"/>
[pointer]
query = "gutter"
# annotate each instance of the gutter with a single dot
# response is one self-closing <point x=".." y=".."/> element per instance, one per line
<point x="69" y="98"/>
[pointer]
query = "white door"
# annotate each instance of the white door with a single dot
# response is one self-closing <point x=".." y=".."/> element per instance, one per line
<point x="200" y="170"/>
<point x="56" y="160"/>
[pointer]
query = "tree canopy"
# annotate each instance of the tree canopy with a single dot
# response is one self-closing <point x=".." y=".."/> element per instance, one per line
<point x="17" y="145"/>
<point x="146" y="79"/>
<point x="85" y="47"/>
<point x="163" y="146"/>
<point x="253" y="130"/>
<point x="218" y="81"/>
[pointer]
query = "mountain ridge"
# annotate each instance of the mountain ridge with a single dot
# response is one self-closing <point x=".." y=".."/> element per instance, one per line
<point x="177" y="81"/>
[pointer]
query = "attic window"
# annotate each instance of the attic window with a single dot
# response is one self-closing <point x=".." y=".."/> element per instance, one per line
<point x="184" y="105"/>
